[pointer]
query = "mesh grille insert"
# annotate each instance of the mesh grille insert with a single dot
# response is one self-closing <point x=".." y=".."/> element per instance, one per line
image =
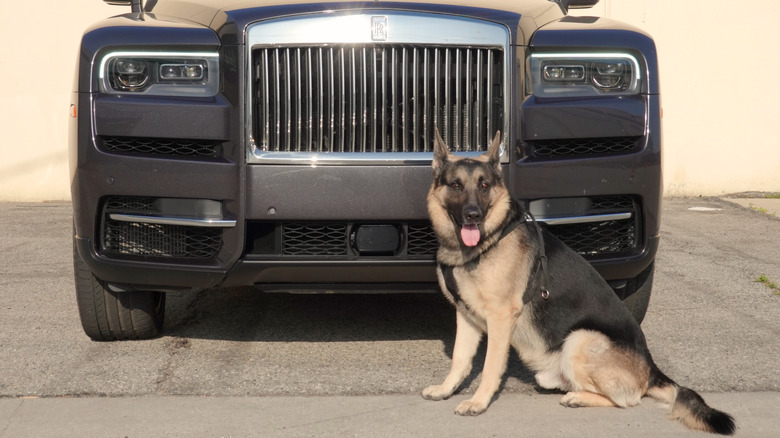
<point x="598" y="238"/>
<point x="160" y="146"/>
<point x="574" y="147"/>
<point x="421" y="239"/>
<point x="129" y="204"/>
<point x="623" y="203"/>
<point x="314" y="239"/>
<point x="145" y="240"/>
<point x="154" y="240"/>
<point x="335" y="239"/>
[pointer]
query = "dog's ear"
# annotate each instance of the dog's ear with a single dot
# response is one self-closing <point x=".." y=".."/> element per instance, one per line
<point x="440" y="153"/>
<point x="493" y="155"/>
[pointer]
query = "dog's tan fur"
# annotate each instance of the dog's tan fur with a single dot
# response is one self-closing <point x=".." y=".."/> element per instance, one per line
<point x="487" y="282"/>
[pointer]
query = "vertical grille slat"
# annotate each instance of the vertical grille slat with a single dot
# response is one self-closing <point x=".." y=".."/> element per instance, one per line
<point x="267" y="95"/>
<point x="288" y="115"/>
<point x="489" y="99"/>
<point x="277" y="73"/>
<point x="351" y="144"/>
<point x="447" y="131"/>
<point x="382" y="103"/>
<point x="364" y="113"/>
<point x="458" y="95"/>
<point x="374" y="104"/>
<point x="469" y="98"/>
<point x="331" y="135"/>
<point x="321" y="101"/>
<point x="478" y="100"/>
<point x="394" y="117"/>
<point x="309" y="121"/>
<point x="342" y="106"/>
<point x="426" y="121"/>
<point x="376" y="97"/>
<point x="405" y="114"/>
<point x="416" y="103"/>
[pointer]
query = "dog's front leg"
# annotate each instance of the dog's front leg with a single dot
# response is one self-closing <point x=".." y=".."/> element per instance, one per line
<point x="467" y="337"/>
<point x="499" y="330"/>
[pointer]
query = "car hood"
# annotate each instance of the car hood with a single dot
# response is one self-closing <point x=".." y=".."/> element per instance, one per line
<point x="523" y="16"/>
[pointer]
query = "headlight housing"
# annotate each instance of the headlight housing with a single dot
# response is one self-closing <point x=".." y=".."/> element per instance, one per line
<point x="160" y="73"/>
<point x="582" y="75"/>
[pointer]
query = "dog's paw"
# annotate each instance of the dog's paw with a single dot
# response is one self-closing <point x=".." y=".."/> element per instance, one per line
<point x="436" y="392"/>
<point x="584" y="399"/>
<point x="471" y="407"/>
<point x="571" y="400"/>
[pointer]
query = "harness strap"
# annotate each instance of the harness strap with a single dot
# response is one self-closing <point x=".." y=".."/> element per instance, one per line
<point x="542" y="265"/>
<point x="542" y="257"/>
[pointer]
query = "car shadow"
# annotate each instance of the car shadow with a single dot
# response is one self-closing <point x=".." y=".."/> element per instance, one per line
<point x="246" y="314"/>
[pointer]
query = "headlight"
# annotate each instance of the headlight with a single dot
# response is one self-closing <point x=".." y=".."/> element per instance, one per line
<point x="160" y="73"/>
<point x="579" y="75"/>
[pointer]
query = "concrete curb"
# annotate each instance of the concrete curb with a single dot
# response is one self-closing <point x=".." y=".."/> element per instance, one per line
<point x="770" y="206"/>
<point x="537" y="415"/>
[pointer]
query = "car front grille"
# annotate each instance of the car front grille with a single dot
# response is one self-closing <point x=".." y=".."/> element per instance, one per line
<point x="160" y="241"/>
<point x="314" y="239"/>
<point x="160" y="146"/>
<point x="376" y="98"/>
<point x="583" y="147"/>
<point x="422" y="239"/>
<point x="334" y="240"/>
<point x="598" y="238"/>
<point x="153" y="242"/>
<point x="607" y="204"/>
<point x="603" y="238"/>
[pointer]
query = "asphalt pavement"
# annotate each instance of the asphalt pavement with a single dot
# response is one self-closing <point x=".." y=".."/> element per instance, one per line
<point x="241" y="363"/>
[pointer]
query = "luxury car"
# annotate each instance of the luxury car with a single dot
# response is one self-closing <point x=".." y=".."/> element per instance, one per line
<point x="286" y="145"/>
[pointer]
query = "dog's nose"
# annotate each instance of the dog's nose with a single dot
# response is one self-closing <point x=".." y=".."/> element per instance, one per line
<point x="472" y="214"/>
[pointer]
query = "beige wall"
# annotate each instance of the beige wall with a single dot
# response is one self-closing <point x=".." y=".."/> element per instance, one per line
<point x="718" y="67"/>
<point x="40" y="43"/>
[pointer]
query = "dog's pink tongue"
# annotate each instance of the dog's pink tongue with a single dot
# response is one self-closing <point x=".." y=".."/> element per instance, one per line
<point x="470" y="234"/>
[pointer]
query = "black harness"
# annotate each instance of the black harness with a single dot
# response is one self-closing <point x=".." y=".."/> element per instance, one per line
<point x="541" y="258"/>
<point x="539" y="269"/>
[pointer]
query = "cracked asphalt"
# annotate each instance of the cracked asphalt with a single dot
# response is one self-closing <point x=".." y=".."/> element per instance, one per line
<point x="710" y="326"/>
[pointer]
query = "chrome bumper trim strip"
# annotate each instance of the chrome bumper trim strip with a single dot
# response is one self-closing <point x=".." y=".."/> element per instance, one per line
<point x="585" y="219"/>
<point x="184" y="221"/>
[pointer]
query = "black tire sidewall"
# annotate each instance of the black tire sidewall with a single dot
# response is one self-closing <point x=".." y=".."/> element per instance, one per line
<point x="107" y="315"/>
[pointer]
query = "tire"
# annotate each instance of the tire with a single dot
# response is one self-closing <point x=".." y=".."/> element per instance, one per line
<point x="112" y="316"/>
<point x="636" y="294"/>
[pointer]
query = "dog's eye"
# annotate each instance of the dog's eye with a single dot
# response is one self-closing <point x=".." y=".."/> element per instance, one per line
<point x="456" y="185"/>
<point x="485" y="185"/>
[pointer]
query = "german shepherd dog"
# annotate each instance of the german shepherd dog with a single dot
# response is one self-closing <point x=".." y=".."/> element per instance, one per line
<point x="525" y="288"/>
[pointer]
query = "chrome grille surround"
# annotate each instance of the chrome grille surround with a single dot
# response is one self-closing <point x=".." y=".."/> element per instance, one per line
<point x="321" y="91"/>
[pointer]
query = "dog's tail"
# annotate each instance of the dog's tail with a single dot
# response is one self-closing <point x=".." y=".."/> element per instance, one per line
<point x="688" y="407"/>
